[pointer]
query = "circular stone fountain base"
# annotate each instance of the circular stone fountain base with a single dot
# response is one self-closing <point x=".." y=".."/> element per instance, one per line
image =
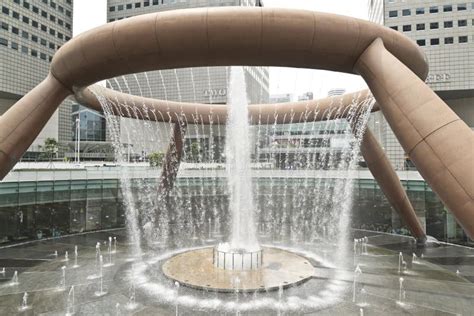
<point x="280" y="268"/>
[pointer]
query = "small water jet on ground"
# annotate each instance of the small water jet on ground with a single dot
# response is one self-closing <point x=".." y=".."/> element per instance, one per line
<point x="101" y="291"/>
<point x="24" y="303"/>
<point x="70" y="302"/>
<point x="14" y="280"/>
<point x="75" y="258"/>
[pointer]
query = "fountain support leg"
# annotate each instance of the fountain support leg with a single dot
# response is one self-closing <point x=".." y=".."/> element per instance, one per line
<point x="388" y="180"/>
<point x="172" y="158"/>
<point x="438" y="142"/>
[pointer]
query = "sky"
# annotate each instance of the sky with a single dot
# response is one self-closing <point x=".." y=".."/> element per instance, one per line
<point x="91" y="13"/>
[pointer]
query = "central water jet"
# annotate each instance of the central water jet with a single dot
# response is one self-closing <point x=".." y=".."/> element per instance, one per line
<point x="243" y="251"/>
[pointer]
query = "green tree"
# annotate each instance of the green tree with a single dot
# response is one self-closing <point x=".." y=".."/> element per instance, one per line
<point x="49" y="149"/>
<point x="195" y="149"/>
<point x="156" y="159"/>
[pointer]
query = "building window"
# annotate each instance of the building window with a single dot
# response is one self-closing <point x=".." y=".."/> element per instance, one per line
<point x="26" y="5"/>
<point x="406" y="12"/>
<point x="155" y="2"/>
<point x="16" y="15"/>
<point x="394" y="28"/>
<point x="420" y="26"/>
<point x="35" y="10"/>
<point x="421" y="42"/>
<point x="448" y="24"/>
<point x="51" y="45"/>
<point x="68" y="13"/>
<point x="34" y="53"/>
<point x="60" y="22"/>
<point x="448" y="40"/>
<point x="434" y="41"/>
<point x="391" y="14"/>
<point x="34" y="38"/>
<point x="44" y="28"/>
<point x="67" y="38"/>
<point x="111" y="20"/>
<point x="34" y="23"/>
<point x="44" y="42"/>
<point x="406" y="28"/>
<point x="52" y="18"/>
<point x="44" y="14"/>
<point x="24" y="34"/>
<point x="138" y="5"/>
<point x="462" y="7"/>
<point x="420" y="11"/>
<point x="434" y="25"/>
<point x="68" y="26"/>
<point x="120" y="7"/>
<point x="462" y="23"/>
<point x="60" y="9"/>
<point x="45" y="1"/>
<point x="111" y="9"/>
<point x="146" y="3"/>
<point x="52" y="4"/>
<point x="60" y="35"/>
<point x="462" y="39"/>
<point x="16" y="1"/>
<point x="129" y="6"/>
<point x="43" y="56"/>
<point x="24" y="50"/>
<point x="52" y="32"/>
<point x="15" y="30"/>
<point x="4" y="26"/>
<point x="3" y="41"/>
<point x="5" y="10"/>
<point x="447" y="8"/>
<point x="434" y="9"/>
<point x="26" y="20"/>
<point x="14" y="45"/>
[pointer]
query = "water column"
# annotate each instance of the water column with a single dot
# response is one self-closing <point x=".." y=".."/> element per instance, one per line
<point x="238" y="166"/>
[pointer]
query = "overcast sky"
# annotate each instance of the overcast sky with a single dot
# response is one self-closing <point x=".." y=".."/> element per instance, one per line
<point x="92" y="13"/>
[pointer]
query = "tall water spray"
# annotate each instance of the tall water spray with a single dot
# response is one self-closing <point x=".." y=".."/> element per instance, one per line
<point x="238" y="167"/>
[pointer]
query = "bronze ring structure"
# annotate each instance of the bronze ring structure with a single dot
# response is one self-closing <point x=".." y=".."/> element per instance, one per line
<point x="439" y="143"/>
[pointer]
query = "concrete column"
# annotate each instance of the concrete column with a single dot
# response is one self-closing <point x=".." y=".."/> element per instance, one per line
<point x="389" y="183"/>
<point x="438" y="142"/>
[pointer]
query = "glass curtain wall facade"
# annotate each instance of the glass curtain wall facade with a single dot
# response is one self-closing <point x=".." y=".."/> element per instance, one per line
<point x="85" y="201"/>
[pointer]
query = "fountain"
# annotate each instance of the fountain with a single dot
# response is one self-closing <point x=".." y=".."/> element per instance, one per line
<point x="14" y="280"/>
<point x="301" y="203"/>
<point x="100" y="291"/>
<point x="401" y="293"/>
<point x="242" y="252"/>
<point x="357" y="274"/>
<point x="66" y="256"/>
<point x="70" y="302"/>
<point x="2" y="272"/>
<point x="62" y="285"/>
<point x="75" y="258"/>
<point x="131" y="305"/>
<point x="24" y="303"/>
